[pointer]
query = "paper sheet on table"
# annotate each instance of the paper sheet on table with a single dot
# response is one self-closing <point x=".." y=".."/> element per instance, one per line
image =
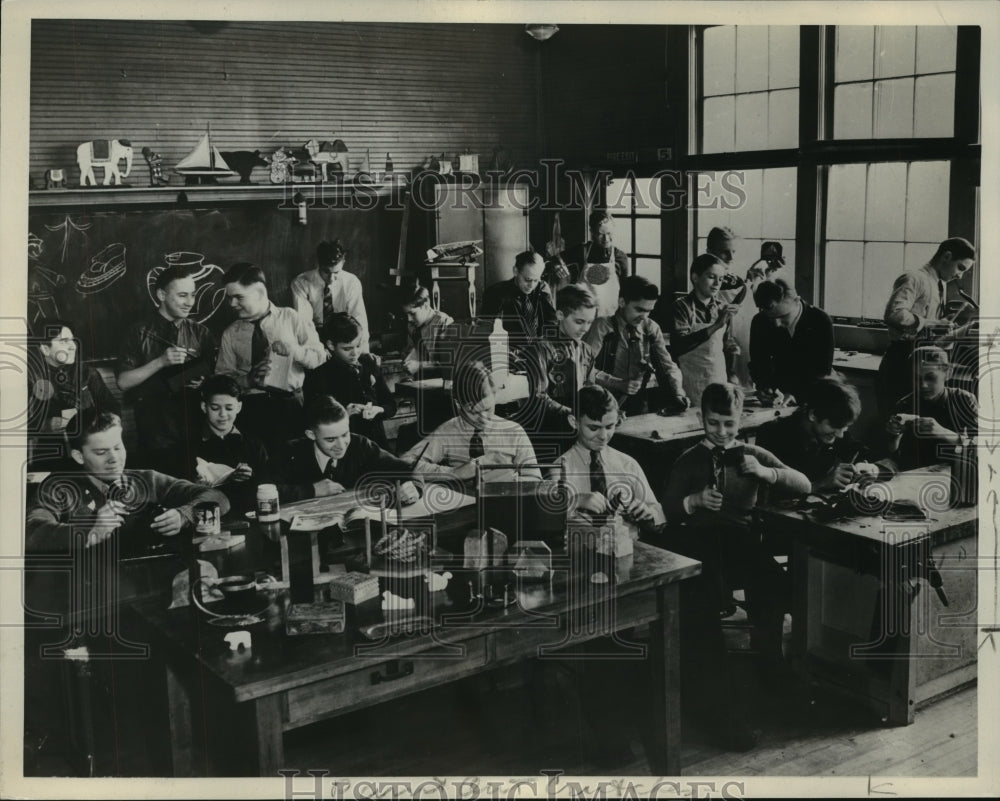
<point x="278" y="377"/>
<point x="212" y="472"/>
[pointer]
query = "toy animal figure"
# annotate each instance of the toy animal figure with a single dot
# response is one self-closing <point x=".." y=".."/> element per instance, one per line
<point x="243" y="162"/>
<point x="155" y="163"/>
<point x="105" y="153"/>
<point x="55" y="179"/>
<point x="328" y="156"/>
<point x="446" y="166"/>
<point x="282" y="164"/>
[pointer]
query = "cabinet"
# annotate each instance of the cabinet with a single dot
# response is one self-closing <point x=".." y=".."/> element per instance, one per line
<point x="497" y="214"/>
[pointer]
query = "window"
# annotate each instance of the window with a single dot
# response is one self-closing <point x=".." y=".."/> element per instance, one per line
<point x="766" y="212"/>
<point x="881" y="219"/>
<point x="894" y="82"/>
<point x="635" y="204"/>
<point x="750" y="78"/>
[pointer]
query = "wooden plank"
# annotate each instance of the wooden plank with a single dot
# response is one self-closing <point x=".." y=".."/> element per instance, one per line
<point x="179" y="711"/>
<point x="664" y="758"/>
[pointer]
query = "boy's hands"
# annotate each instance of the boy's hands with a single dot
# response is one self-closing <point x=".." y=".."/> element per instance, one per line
<point x="243" y="472"/>
<point x="259" y="372"/>
<point x="839" y="476"/>
<point x="173" y="355"/>
<point x="630" y="387"/>
<point x="638" y="512"/>
<point x="929" y="427"/>
<point x="751" y="467"/>
<point x="709" y="499"/>
<point x="106" y="521"/>
<point x="326" y="487"/>
<point x="168" y="524"/>
<point x="281" y="348"/>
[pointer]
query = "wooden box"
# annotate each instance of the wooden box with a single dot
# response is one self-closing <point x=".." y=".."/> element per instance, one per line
<point x="321" y="618"/>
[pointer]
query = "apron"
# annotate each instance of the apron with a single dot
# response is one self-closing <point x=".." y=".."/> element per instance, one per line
<point x="741" y="331"/>
<point x="704" y="365"/>
<point x="602" y="280"/>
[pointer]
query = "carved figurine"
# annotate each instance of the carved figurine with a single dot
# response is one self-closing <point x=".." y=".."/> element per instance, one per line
<point x="282" y="163"/>
<point x="55" y="179"/>
<point x="243" y="162"/>
<point x="105" y="153"/>
<point x="155" y="163"/>
<point x="328" y="156"/>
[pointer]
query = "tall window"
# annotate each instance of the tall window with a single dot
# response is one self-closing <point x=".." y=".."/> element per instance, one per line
<point x="750" y="79"/>
<point x="894" y="82"/>
<point x="635" y="204"/>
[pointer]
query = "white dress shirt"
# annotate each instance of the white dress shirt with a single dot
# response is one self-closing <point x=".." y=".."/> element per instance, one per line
<point x="345" y="295"/>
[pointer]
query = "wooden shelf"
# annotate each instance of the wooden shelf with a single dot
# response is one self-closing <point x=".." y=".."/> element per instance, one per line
<point x="314" y="193"/>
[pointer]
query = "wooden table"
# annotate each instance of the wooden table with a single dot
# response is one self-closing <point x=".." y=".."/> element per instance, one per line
<point x="515" y="389"/>
<point x="858" y="625"/>
<point x="228" y="711"/>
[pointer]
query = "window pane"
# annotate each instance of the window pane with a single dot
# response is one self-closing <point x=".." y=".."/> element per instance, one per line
<point x="719" y="124"/>
<point x="783" y="119"/>
<point x="623" y="234"/>
<point x="619" y="194"/>
<point x="747" y="221"/>
<point x="934" y="106"/>
<point x="885" y="203"/>
<point x="895" y="50"/>
<point x="917" y="254"/>
<point x="852" y="111"/>
<point x="927" y="202"/>
<point x="935" y="48"/>
<point x="719" y="60"/>
<point x="894" y="108"/>
<point x="883" y="264"/>
<point x="855" y="52"/>
<point x="649" y="269"/>
<point x="751" y="58"/>
<point x="647" y="195"/>
<point x="710" y="213"/>
<point x="779" y="204"/>
<point x="843" y="279"/>
<point x="647" y="235"/>
<point x="751" y="121"/>
<point x="845" y="210"/>
<point x="783" y="56"/>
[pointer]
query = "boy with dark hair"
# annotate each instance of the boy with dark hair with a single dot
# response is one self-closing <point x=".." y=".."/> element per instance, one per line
<point x="815" y="440"/>
<point x="353" y="378"/>
<point x="329" y="458"/>
<point x="701" y="335"/>
<point x="600" y="476"/>
<point x="630" y="348"/>
<point x="475" y="435"/>
<point x="60" y="388"/>
<point x="523" y="303"/>
<point x="931" y="422"/>
<point x="425" y="327"/>
<point x="105" y="500"/>
<point x="220" y="443"/>
<point x="791" y="342"/>
<point x="711" y="493"/>
<point x="161" y="363"/>
<point x="330" y="289"/>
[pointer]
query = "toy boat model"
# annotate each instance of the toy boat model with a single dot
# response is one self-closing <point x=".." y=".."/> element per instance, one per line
<point x="204" y="161"/>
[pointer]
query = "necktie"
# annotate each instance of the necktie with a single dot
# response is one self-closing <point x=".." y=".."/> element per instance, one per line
<point x="598" y="481"/>
<point x="943" y="296"/>
<point x="718" y="469"/>
<point x="330" y="471"/>
<point x="327" y="301"/>
<point x="476" y="444"/>
<point x="259" y="346"/>
<point x="528" y="314"/>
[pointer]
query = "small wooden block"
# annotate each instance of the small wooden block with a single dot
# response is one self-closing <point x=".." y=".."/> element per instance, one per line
<point x="354" y="588"/>
<point x="317" y="618"/>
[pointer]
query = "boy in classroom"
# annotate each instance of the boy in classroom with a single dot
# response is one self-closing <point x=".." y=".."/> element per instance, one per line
<point x="931" y="422"/>
<point x="559" y="368"/>
<point x="220" y="444"/>
<point x="630" y="348"/>
<point x="600" y="476"/>
<point x="329" y="459"/>
<point x="712" y="490"/>
<point x="329" y="289"/>
<point x="474" y="436"/>
<point x="701" y="336"/>
<point x="816" y="441"/>
<point x="425" y="327"/>
<point x="353" y="378"/>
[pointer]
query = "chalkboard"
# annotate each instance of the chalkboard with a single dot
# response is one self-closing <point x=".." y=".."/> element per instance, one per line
<point x="92" y="268"/>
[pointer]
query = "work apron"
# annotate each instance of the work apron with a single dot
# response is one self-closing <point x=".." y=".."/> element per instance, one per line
<point x="602" y="280"/>
<point x="703" y="365"/>
<point x="740" y="326"/>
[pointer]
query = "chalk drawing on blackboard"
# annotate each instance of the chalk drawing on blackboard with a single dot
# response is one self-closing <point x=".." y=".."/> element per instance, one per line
<point x="209" y="290"/>
<point x="105" y="268"/>
<point x="67" y="226"/>
<point x="41" y="283"/>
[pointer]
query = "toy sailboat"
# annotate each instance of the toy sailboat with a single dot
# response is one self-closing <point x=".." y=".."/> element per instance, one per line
<point x="204" y="161"/>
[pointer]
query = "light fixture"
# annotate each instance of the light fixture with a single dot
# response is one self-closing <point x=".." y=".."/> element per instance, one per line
<point x="541" y="32"/>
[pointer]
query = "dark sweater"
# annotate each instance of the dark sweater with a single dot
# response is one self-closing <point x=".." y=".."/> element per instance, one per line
<point x="346" y="385"/>
<point x="956" y="409"/>
<point x="788" y="439"/>
<point x="525" y="317"/>
<point x="779" y="360"/>
<point x="693" y="471"/>
<point x="65" y="504"/>
<point x="363" y="458"/>
<point x="233" y="449"/>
